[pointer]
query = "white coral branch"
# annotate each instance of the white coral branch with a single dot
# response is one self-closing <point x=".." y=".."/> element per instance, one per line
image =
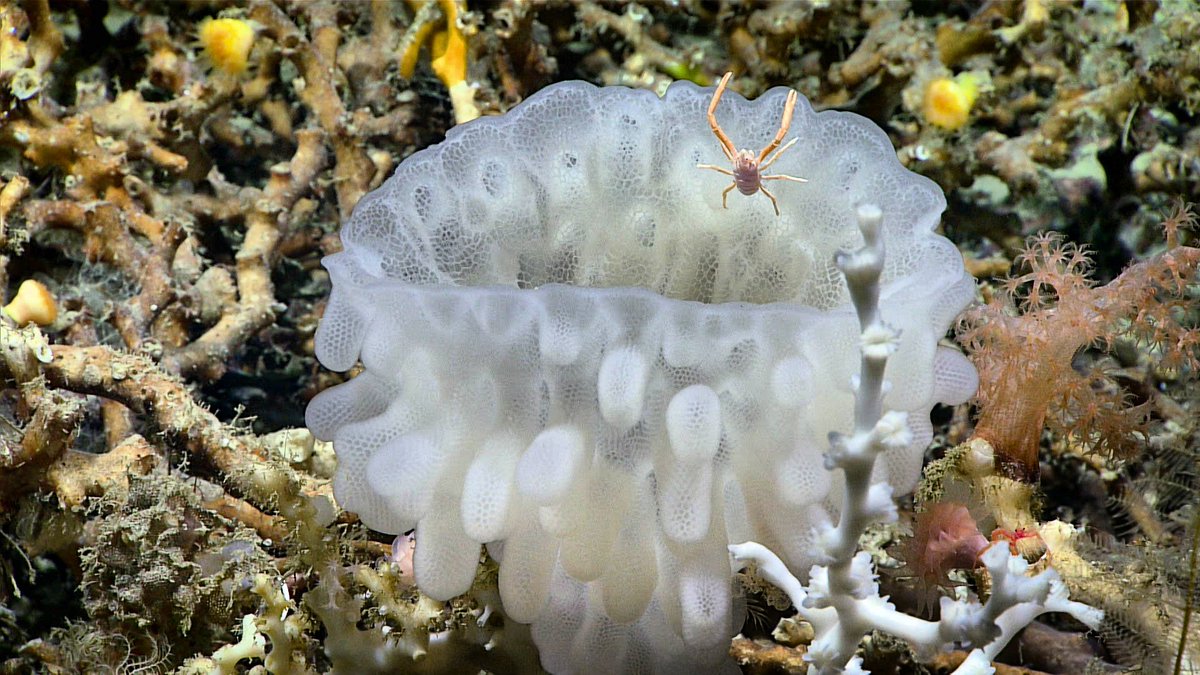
<point x="842" y="599"/>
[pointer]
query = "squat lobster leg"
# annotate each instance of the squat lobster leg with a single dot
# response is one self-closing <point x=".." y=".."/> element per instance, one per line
<point x="769" y="196"/>
<point x="747" y="168"/>
<point x="726" y="144"/>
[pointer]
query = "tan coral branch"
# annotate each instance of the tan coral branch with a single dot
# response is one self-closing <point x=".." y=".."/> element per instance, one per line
<point x="319" y="94"/>
<point x="108" y="239"/>
<point x="159" y="397"/>
<point x="12" y="192"/>
<point x="46" y="437"/>
<point x="255" y="310"/>
<point x="271" y="528"/>
<point x="76" y="476"/>
<point x="595" y="17"/>
<point x="45" y="40"/>
<point x="163" y="401"/>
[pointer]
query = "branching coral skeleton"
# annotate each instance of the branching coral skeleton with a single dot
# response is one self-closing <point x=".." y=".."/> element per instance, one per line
<point x="841" y="599"/>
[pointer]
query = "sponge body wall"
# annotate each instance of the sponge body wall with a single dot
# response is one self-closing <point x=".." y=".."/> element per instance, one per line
<point x="573" y="354"/>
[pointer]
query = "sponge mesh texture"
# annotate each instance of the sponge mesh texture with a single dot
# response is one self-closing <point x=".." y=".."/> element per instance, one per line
<point x="573" y="353"/>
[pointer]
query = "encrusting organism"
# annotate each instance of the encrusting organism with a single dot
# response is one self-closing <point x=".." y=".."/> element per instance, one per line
<point x="33" y="303"/>
<point x="947" y="101"/>
<point x="227" y="43"/>
<point x="747" y="168"/>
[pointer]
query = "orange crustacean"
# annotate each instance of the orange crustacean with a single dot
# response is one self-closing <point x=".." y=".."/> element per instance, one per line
<point x="747" y="168"/>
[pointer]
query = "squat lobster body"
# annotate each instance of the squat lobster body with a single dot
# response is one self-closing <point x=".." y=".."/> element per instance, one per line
<point x="747" y="167"/>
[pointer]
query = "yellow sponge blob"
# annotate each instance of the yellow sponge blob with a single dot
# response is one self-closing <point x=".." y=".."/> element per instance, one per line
<point x="32" y="304"/>
<point x="227" y="43"/>
<point x="948" y="101"/>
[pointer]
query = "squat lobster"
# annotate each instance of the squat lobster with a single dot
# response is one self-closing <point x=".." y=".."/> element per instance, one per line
<point x="747" y="169"/>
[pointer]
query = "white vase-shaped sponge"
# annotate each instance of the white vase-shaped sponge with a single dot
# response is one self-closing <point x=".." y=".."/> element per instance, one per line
<point x="574" y="354"/>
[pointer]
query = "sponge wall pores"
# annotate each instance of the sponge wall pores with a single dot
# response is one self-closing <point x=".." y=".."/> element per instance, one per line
<point x="573" y="354"/>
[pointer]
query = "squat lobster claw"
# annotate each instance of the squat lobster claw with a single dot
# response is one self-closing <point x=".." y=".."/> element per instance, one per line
<point x="747" y="168"/>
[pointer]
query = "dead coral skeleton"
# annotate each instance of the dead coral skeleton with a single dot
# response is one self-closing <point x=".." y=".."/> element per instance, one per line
<point x="158" y="397"/>
<point x="182" y="201"/>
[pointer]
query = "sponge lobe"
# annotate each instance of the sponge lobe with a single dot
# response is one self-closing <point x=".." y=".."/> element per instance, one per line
<point x="551" y="465"/>
<point x="574" y="353"/>
<point x="694" y="424"/>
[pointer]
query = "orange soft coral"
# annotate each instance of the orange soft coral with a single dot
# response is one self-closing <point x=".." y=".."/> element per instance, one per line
<point x="1024" y="341"/>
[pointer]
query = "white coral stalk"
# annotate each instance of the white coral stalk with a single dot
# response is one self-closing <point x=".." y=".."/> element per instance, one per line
<point x="842" y="599"/>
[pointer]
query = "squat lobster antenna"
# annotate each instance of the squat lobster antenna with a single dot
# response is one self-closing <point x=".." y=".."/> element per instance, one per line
<point x="747" y="168"/>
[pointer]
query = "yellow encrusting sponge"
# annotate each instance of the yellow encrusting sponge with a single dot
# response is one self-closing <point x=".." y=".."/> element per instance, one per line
<point x="948" y="101"/>
<point x="33" y="303"/>
<point x="227" y="43"/>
